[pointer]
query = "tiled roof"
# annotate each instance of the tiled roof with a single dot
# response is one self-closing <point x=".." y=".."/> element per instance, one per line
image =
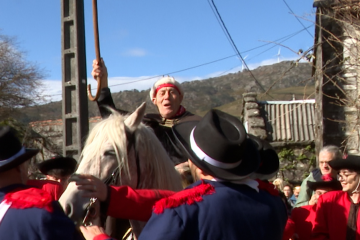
<point x="289" y="121"/>
<point x="59" y="122"/>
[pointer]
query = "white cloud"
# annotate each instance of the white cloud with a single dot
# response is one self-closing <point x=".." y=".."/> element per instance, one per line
<point x="135" y="52"/>
<point x="52" y="90"/>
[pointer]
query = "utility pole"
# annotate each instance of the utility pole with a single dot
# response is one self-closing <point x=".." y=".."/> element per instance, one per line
<point x="75" y="114"/>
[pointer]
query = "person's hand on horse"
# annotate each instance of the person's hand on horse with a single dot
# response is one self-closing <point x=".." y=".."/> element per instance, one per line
<point x="94" y="187"/>
<point x="182" y="167"/>
<point x="91" y="231"/>
<point x="100" y="70"/>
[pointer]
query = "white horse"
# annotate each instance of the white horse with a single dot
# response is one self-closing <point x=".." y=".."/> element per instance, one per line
<point x="127" y="144"/>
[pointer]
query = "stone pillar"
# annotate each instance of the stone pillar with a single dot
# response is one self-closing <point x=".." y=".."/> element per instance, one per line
<point x="252" y="118"/>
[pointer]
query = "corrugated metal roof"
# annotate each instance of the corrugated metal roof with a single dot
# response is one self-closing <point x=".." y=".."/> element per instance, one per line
<point x="289" y="121"/>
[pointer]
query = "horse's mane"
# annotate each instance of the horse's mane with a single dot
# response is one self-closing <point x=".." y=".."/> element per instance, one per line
<point x="154" y="162"/>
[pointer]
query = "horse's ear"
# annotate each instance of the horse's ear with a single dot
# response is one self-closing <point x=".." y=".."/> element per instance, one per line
<point x="136" y="117"/>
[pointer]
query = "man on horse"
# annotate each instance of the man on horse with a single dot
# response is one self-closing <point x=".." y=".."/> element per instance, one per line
<point x="224" y="203"/>
<point x="166" y="94"/>
<point x="26" y="212"/>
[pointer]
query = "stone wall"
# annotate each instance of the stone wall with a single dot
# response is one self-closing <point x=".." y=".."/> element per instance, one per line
<point x="297" y="158"/>
<point x="48" y="137"/>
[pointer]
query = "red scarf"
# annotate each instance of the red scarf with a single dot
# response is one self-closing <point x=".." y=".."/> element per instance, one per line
<point x="187" y="196"/>
<point x="179" y="112"/>
<point x="29" y="198"/>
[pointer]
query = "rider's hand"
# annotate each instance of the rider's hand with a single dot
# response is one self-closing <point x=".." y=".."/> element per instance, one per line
<point x="94" y="187"/>
<point x="91" y="232"/>
<point x="100" y="70"/>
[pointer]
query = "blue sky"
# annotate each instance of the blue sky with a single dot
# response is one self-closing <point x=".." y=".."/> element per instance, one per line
<point x="143" y="39"/>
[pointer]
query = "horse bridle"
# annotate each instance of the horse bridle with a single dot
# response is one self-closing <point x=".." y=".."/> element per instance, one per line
<point x="114" y="177"/>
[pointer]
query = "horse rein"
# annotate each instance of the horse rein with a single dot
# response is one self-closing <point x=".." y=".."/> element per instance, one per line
<point x="113" y="179"/>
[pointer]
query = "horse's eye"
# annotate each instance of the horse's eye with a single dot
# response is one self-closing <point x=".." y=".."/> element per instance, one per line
<point x="109" y="153"/>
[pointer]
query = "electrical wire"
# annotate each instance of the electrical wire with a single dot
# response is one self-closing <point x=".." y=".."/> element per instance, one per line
<point x="286" y="38"/>
<point x="234" y="46"/>
<point x="298" y="19"/>
<point x="214" y="61"/>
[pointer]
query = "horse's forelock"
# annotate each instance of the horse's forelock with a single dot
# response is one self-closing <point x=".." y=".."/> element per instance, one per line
<point x="110" y="131"/>
<point x="156" y="167"/>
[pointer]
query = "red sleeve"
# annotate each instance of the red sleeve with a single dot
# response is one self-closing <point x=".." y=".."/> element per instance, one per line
<point x="54" y="188"/>
<point x="320" y="229"/>
<point x="102" y="237"/>
<point x="289" y="229"/>
<point x="128" y="203"/>
<point x="58" y="191"/>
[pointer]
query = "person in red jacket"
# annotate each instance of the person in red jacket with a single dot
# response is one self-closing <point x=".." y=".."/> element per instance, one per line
<point x="58" y="169"/>
<point x="337" y="215"/>
<point x="54" y="188"/>
<point x="304" y="216"/>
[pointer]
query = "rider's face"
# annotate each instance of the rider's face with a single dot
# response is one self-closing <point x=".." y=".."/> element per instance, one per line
<point x="168" y="101"/>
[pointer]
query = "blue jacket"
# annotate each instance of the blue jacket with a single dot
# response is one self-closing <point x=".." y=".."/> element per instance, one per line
<point x="230" y="211"/>
<point x="32" y="223"/>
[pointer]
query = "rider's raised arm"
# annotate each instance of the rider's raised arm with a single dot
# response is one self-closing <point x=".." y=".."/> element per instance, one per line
<point x="105" y="99"/>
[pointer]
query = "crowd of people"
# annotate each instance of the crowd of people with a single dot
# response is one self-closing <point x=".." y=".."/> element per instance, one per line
<point x="230" y="190"/>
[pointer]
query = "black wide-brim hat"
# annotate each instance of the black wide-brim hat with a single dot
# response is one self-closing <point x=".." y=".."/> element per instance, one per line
<point x="352" y="162"/>
<point x="269" y="159"/>
<point x="334" y="185"/>
<point x="323" y="182"/>
<point x="218" y="145"/>
<point x="58" y="162"/>
<point x="12" y="153"/>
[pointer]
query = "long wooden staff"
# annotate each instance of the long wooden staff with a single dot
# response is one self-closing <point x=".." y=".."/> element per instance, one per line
<point x="97" y="52"/>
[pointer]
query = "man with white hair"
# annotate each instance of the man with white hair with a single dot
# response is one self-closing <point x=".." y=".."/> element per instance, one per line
<point x="166" y="94"/>
<point x="327" y="154"/>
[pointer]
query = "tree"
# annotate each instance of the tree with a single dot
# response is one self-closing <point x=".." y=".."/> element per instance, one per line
<point x="20" y="80"/>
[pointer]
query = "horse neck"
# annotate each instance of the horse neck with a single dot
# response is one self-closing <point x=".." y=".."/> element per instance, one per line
<point x="157" y="170"/>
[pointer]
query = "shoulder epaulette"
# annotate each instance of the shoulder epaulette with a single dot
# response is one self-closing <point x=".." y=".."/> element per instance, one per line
<point x="188" y="196"/>
<point x="29" y="198"/>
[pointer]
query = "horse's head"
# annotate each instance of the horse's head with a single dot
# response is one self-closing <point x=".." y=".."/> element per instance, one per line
<point x="125" y="147"/>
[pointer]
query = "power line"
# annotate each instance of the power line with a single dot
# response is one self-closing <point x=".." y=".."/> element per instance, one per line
<point x="221" y="26"/>
<point x="214" y="61"/>
<point x="234" y="46"/>
<point x="285" y="39"/>
<point x="297" y="18"/>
